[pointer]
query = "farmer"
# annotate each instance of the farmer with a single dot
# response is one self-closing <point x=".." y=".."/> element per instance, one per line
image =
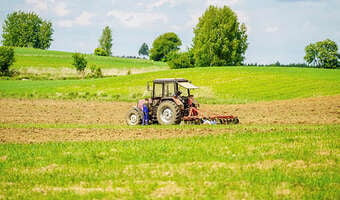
<point x="145" y="109"/>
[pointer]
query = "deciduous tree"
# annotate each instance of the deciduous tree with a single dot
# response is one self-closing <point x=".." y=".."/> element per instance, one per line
<point x="323" y="54"/>
<point x="219" y="38"/>
<point x="105" y="41"/>
<point x="22" y="29"/>
<point x="163" y="45"/>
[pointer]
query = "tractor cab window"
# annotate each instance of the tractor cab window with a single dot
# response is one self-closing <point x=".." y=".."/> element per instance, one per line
<point x="169" y="89"/>
<point x="158" y="90"/>
<point x="184" y="91"/>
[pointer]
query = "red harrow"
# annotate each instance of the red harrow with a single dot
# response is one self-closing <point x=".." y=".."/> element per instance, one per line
<point x="211" y="120"/>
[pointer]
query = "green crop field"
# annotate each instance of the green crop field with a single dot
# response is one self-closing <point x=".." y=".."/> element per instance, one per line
<point x="28" y="57"/>
<point x="217" y="85"/>
<point x="259" y="162"/>
<point x="36" y="61"/>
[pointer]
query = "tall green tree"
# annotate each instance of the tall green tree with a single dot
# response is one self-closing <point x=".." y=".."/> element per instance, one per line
<point x="219" y="38"/>
<point x="323" y="54"/>
<point x="22" y="29"/>
<point x="105" y="41"/>
<point x="144" y="50"/>
<point x="163" y="45"/>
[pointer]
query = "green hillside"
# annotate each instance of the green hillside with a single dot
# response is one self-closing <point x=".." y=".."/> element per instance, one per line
<point x="28" y="59"/>
<point x="217" y="85"/>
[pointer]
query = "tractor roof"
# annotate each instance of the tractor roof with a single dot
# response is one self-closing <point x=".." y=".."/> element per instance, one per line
<point x="169" y="80"/>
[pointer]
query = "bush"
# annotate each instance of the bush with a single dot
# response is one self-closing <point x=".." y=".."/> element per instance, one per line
<point x="6" y="59"/>
<point x="100" y="52"/>
<point x="96" y="72"/>
<point x="79" y="62"/>
<point x="181" y="60"/>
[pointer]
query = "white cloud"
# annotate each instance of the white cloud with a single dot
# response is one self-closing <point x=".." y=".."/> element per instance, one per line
<point x="137" y="19"/>
<point x="57" y="7"/>
<point x="221" y="3"/>
<point x="83" y="19"/>
<point x="271" y="29"/>
<point x="40" y="5"/>
<point x="60" y="9"/>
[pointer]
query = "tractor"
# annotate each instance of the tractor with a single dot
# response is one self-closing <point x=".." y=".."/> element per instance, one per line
<point x="172" y="103"/>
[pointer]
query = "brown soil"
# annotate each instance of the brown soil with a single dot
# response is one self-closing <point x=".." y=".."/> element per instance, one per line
<point x="34" y="135"/>
<point x="62" y="111"/>
<point x="321" y="110"/>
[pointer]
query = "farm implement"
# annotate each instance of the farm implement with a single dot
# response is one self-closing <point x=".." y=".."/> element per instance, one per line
<point x="172" y="103"/>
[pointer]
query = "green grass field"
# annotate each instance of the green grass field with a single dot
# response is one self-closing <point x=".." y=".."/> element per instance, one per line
<point x="286" y="162"/>
<point x="59" y="64"/>
<point x="217" y="85"/>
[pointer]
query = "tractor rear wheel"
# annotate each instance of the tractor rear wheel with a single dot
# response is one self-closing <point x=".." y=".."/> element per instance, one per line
<point x="133" y="117"/>
<point x="168" y="113"/>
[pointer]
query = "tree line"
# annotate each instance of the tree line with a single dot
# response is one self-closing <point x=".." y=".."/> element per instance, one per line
<point x="219" y="40"/>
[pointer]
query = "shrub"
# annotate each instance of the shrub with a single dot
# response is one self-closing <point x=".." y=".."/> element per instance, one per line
<point x="100" y="52"/>
<point x="181" y="60"/>
<point x="96" y="72"/>
<point x="6" y="59"/>
<point x="79" y="62"/>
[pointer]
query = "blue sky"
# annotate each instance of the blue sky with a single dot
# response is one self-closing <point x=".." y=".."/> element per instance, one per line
<point x="278" y="30"/>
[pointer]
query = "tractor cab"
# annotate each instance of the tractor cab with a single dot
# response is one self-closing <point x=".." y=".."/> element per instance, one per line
<point x="165" y="88"/>
<point x="172" y="89"/>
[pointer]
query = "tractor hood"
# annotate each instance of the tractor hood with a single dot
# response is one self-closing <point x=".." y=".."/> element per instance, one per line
<point x="187" y="85"/>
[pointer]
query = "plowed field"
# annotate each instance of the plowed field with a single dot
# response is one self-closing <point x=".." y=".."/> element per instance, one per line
<point x="321" y="110"/>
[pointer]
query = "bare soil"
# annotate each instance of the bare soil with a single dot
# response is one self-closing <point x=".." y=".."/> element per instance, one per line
<point x="320" y="110"/>
<point x="38" y="135"/>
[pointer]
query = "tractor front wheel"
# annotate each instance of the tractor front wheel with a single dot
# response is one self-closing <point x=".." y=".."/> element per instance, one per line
<point x="133" y="117"/>
<point x="168" y="113"/>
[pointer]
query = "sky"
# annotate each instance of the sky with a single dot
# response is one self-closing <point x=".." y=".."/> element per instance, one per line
<point x="278" y="30"/>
